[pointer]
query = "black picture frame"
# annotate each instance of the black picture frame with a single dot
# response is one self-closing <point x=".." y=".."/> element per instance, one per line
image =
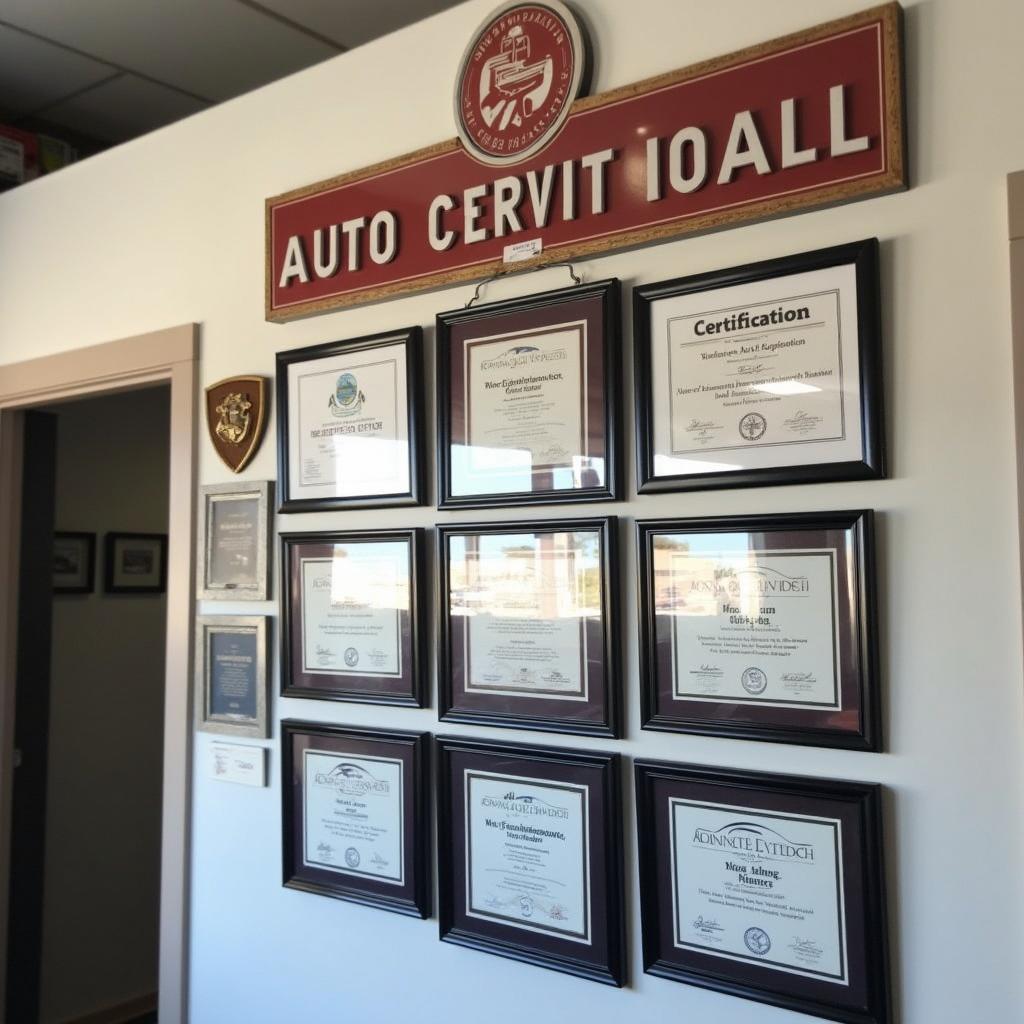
<point x="410" y="689"/>
<point x="851" y="720"/>
<point x="112" y="573"/>
<point x="410" y="894"/>
<point x="412" y="340"/>
<point x="863" y="256"/>
<point x="601" y="956"/>
<point x="728" y="968"/>
<point x="598" y="304"/>
<point x="599" y="714"/>
<point x="86" y="549"/>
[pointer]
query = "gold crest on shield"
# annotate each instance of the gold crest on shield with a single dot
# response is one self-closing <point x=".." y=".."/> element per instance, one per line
<point x="236" y="417"/>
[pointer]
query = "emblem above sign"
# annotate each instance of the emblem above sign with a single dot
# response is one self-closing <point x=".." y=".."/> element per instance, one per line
<point x="518" y="79"/>
<point x="236" y="417"/>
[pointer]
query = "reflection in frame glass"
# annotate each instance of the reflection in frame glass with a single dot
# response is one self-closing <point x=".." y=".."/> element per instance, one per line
<point x="528" y="400"/>
<point x="74" y="562"/>
<point x="529" y="623"/>
<point x="352" y="620"/>
<point x="761" y="627"/>
<point x="349" y="423"/>
<point x="234" y="541"/>
<point x="380" y="857"/>
<point x="767" y="887"/>
<point x="529" y="847"/>
<point x="764" y="374"/>
<point x="232" y="653"/>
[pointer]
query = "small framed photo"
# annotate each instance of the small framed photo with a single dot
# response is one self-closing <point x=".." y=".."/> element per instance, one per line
<point x="135" y="563"/>
<point x="761" y="627"/>
<point x="74" y="562"/>
<point x="529" y="847"/>
<point x="767" y="887"/>
<point x="528" y="400"/>
<point x="355" y="815"/>
<point x="232" y="653"/>
<point x="349" y="422"/>
<point x="352" y="618"/>
<point x="234" y="541"/>
<point x="759" y="375"/>
<point x="528" y="621"/>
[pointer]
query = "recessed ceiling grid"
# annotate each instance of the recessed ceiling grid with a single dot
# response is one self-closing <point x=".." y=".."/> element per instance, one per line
<point x="107" y="71"/>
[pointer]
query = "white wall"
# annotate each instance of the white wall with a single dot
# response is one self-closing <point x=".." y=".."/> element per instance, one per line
<point x="169" y="228"/>
<point x="102" y="875"/>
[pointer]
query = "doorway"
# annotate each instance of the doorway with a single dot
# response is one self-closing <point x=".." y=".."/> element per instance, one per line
<point x="114" y="717"/>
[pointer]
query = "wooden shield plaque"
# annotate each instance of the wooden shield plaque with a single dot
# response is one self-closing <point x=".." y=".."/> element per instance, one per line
<point x="236" y="416"/>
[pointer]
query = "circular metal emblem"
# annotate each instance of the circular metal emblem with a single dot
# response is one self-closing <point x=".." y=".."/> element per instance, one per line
<point x="753" y="426"/>
<point x="757" y="941"/>
<point x="754" y="680"/>
<point x="517" y="80"/>
<point x="351" y="657"/>
<point x="352" y="857"/>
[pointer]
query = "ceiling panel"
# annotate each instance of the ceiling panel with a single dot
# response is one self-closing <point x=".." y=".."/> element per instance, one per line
<point x="34" y="74"/>
<point x="354" y="22"/>
<point x="123" y="108"/>
<point x="213" y="48"/>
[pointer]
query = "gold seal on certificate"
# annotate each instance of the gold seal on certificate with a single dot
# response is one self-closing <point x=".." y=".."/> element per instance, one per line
<point x="529" y="849"/>
<point x="348" y="423"/>
<point x="351" y="617"/>
<point x="527" y="625"/>
<point x="765" y="886"/>
<point x="760" y="626"/>
<point x="528" y="399"/>
<point x="355" y="823"/>
<point x="763" y="374"/>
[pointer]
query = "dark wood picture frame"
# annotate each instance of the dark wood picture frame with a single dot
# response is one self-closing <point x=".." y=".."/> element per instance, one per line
<point x="411" y="689"/>
<point x="855" y="720"/>
<point x="88" y="551"/>
<point x="599" y="304"/>
<point x="410" y="896"/>
<point x="600" y="713"/>
<point x="859" y="852"/>
<point x="110" y="543"/>
<point x="603" y="958"/>
<point x="864" y="257"/>
<point x="412" y="339"/>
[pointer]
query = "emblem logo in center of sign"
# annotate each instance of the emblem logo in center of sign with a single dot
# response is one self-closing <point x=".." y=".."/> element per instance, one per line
<point x="518" y="78"/>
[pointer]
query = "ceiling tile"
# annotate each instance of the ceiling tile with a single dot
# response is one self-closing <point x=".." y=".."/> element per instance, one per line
<point x="215" y="49"/>
<point x="354" y="22"/>
<point x="33" y="73"/>
<point x="123" y="108"/>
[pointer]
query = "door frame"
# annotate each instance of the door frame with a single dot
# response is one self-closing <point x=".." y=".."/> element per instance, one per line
<point x="167" y="356"/>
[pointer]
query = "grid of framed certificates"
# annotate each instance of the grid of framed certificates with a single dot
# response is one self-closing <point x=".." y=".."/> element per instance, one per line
<point x="758" y="627"/>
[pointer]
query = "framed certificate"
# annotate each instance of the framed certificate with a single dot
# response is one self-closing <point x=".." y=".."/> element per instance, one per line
<point x="761" y="627"/>
<point x="768" y="887"/>
<point x="527" y="400"/>
<point x="530" y="855"/>
<point x="528" y="625"/>
<point x="74" y="562"/>
<point x="234" y="538"/>
<point x="135" y="563"/>
<point x="348" y="423"/>
<point x="351" y="616"/>
<point x="232" y="652"/>
<point x="356" y="815"/>
<point x="763" y="374"/>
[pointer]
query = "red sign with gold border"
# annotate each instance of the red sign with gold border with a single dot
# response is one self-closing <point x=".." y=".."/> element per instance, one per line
<point x="808" y="120"/>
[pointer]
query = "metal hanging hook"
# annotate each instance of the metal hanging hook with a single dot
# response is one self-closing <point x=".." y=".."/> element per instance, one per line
<point x="576" y="279"/>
